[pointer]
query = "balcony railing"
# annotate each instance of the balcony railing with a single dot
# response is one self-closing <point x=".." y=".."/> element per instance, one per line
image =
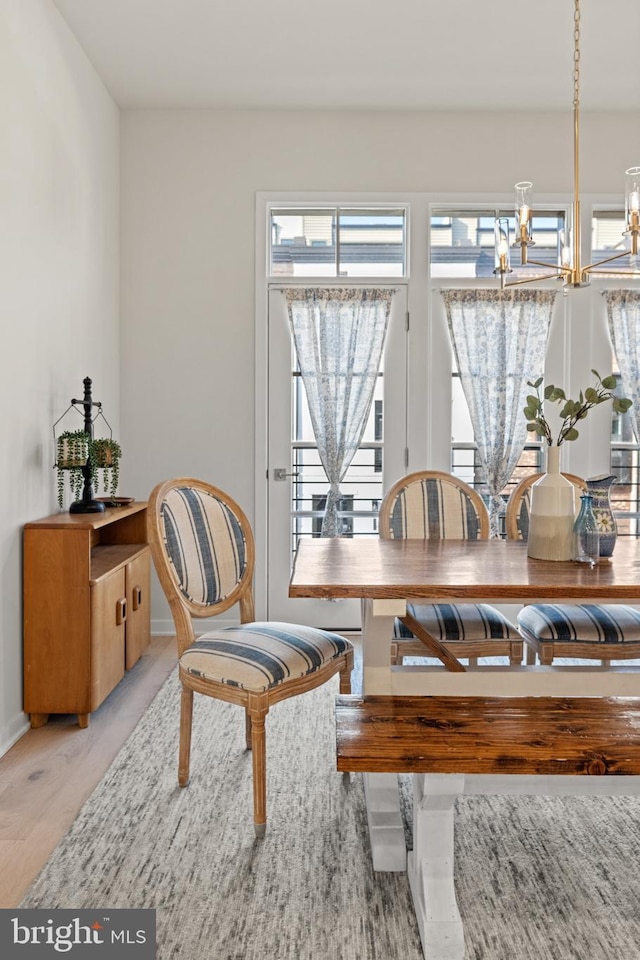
<point x="361" y="492"/>
<point x="465" y="464"/>
<point x="625" y="466"/>
<point x="625" y="493"/>
<point x="362" y="487"/>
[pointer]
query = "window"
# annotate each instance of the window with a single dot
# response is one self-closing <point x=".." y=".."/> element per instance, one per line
<point x="462" y="242"/>
<point x="625" y="466"/>
<point x="362" y="485"/>
<point x="607" y="239"/>
<point x="464" y="248"/>
<point x="335" y="242"/>
<point x="461" y="246"/>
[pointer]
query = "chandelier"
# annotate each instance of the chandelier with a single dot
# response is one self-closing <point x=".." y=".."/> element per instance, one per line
<point x="569" y="268"/>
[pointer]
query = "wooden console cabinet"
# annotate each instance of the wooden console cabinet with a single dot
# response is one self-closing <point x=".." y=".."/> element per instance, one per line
<point x="86" y="608"/>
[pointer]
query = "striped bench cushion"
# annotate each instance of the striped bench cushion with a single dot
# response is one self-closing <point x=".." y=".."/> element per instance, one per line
<point x="258" y="656"/>
<point x="458" y="621"/>
<point x="581" y="623"/>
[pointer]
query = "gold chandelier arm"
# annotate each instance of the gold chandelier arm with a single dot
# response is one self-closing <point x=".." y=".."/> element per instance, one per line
<point x="516" y="283"/>
<point x="599" y="263"/>
<point x="560" y="270"/>
<point x="613" y="274"/>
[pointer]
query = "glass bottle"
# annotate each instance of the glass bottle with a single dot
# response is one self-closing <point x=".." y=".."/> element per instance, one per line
<point x="586" y="538"/>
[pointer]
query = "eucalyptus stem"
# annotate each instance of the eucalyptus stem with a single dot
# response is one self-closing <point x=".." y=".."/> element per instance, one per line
<point x="572" y="410"/>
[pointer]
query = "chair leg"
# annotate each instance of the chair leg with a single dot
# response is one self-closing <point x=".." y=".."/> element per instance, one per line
<point x="345" y="675"/>
<point x="186" y="718"/>
<point x="516" y="653"/>
<point x="247" y="728"/>
<point x="259" y="757"/>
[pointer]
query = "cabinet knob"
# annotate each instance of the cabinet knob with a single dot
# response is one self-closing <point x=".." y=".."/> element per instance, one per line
<point x="121" y="611"/>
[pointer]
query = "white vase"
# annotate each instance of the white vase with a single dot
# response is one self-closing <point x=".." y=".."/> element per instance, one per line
<point x="552" y="513"/>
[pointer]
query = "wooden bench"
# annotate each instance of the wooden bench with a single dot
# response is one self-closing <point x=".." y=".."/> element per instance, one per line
<point x="481" y="745"/>
<point x="490" y="735"/>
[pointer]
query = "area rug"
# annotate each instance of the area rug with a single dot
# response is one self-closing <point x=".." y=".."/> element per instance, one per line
<point x="537" y="878"/>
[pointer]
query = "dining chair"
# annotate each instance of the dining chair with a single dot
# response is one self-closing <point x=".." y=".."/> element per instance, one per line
<point x="583" y="631"/>
<point x="203" y="551"/>
<point x="434" y="505"/>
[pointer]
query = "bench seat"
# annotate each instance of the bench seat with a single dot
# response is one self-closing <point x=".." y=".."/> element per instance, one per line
<point x="489" y="735"/>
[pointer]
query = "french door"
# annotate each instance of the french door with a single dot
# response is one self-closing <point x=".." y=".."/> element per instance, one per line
<point x="297" y="483"/>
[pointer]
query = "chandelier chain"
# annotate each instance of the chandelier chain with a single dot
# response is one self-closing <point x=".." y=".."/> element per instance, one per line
<point x="576" y="55"/>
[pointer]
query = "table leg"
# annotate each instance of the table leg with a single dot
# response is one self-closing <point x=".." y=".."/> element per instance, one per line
<point x="382" y="796"/>
<point x="430" y="866"/>
<point x="386" y="829"/>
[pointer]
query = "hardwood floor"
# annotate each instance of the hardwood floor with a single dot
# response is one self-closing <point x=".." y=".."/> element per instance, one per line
<point x="49" y="773"/>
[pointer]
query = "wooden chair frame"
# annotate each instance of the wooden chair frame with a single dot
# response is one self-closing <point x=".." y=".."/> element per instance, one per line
<point x="384" y="515"/>
<point x="256" y="705"/>
<point x="467" y="649"/>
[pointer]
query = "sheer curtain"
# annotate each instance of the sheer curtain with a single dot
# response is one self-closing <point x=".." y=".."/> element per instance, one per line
<point x="499" y="340"/>
<point x="339" y="338"/>
<point x="623" y="311"/>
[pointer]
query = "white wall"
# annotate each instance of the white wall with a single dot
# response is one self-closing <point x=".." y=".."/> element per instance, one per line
<point x="59" y="295"/>
<point x="189" y="180"/>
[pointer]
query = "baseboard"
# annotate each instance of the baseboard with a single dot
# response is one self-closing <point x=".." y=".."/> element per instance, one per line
<point x="13" y="732"/>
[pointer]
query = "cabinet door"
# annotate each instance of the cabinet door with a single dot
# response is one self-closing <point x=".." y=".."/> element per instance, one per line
<point x="108" y="618"/>
<point x="138" y="630"/>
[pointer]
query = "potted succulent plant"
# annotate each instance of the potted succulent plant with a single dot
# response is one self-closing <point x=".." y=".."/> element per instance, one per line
<point x="73" y="452"/>
<point x="106" y="454"/>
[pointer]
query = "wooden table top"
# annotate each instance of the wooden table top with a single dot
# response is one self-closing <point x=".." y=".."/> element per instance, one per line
<point x="444" y="570"/>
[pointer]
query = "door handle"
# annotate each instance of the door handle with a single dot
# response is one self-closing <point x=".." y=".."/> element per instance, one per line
<point x="121" y="611"/>
<point x="137" y="598"/>
<point x="280" y="473"/>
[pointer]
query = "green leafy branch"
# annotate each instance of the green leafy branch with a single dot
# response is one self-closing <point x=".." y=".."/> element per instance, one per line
<point x="572" y="410"/>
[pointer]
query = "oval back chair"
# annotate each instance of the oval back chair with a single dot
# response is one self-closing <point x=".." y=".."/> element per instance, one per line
<point x="203" y="551"/>
<point x="587" y="631"/>
<point x="433" y="505"/>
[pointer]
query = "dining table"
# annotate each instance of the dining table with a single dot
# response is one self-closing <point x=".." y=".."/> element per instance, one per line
<point x="386" y="575"/>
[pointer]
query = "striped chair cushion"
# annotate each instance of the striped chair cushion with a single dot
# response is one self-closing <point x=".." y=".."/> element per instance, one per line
<point x="458" y="621"/>
<point x="258" y="656"/>
<point x="205" y="545"/>
<point x="431" y="509"/>
<point x="581" y="623"/>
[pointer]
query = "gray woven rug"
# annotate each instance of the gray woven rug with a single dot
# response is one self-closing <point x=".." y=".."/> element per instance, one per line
<point x="537" y="878"/>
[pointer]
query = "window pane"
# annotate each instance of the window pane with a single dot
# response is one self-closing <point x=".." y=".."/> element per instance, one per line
<point x="625" y="466"/>
<point x="303" y="243"/>
<point x="371" y="243"/>
<point x="333" y="242"/>
<point x="361" y="486"/>
<point x="462" y="242"/>
<point x="607" y="229"/>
